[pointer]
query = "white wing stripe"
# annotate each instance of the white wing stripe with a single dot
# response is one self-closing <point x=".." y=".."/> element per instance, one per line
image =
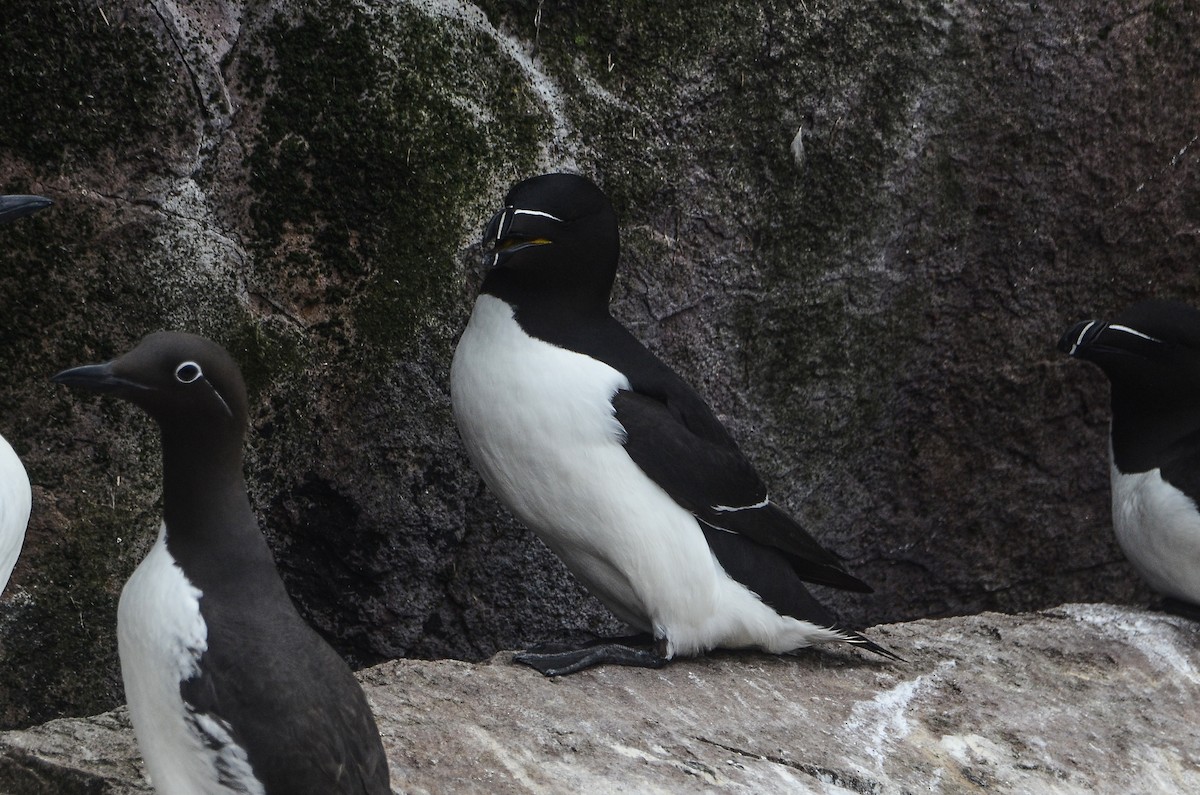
<point x="727" y="509"/>
<point x="1134" y="332"/>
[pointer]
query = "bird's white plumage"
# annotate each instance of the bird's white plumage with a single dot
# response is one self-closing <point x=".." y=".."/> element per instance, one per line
<point x="16" y="499"/>
<point x="161" y="636"/>
<point x="538" y="423"/>
<point x="1159" y="530"/>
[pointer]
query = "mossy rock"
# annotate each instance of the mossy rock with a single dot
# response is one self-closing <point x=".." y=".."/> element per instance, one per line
<point x="858" y="229"/>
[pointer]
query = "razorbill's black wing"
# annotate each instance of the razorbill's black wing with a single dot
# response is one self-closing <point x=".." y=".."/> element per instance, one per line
<point x="713" y="480"/>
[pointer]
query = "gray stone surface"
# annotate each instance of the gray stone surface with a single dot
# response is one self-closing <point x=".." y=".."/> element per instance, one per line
<point x="1084" y="698"/>
<point x="858" y="228"/>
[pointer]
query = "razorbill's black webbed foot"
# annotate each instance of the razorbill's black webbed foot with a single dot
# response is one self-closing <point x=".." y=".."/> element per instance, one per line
<point x="568" y="662"/>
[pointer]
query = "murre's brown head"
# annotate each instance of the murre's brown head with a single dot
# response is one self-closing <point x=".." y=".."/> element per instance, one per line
<point x="183" y="381"/>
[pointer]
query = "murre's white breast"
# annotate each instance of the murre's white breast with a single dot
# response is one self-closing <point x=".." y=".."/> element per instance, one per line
<point x="161" y="636"/>
<point x="15" y="502"/>
<point x="1158" y="528"/>
<point x="539" y="425"/>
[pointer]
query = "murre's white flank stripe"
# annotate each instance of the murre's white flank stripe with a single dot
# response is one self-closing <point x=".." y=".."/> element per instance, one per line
<point x="161" y="636"/>
<point x="15" y="502"/>
<point x="726" y="509"/>
<point x="1134" y="332"/>
<point x="1079" y="339"/>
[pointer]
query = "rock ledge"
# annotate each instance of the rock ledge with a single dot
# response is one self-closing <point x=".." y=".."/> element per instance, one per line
<point x="1081" y="698"/>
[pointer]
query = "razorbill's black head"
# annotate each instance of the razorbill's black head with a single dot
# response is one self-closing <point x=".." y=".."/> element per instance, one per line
<point x="16" y="497"/>
<point x="229" y="690"/>
<point x="556" y="234"/>
<point x="1151" y="355"/>
<point x="613" y="460"/>
<point x="13" y="207"/>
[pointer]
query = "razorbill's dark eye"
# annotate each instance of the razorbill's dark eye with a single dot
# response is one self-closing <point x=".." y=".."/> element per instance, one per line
<point x="188" y="372"/>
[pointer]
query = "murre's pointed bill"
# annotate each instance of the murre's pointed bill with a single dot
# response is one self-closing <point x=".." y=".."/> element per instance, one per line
<point x="229" y="690"/>
<point x="97" y="378"/>
<point x="1151" y="355"/>
<point x="614" y="461"/>
<point x="13" y="207"/>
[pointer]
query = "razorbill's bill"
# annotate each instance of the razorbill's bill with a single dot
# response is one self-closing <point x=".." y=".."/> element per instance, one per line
<point x="1151" y="355"/>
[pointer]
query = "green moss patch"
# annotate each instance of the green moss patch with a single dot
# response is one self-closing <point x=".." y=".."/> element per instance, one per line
<point x="99" y="76"/>
<point x="376" y="152"/>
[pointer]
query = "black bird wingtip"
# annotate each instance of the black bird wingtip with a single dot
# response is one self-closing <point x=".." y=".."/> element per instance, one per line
<point x="839" y="578"/>
<point x="855" y="639"/>
<point x="829" y="576"/>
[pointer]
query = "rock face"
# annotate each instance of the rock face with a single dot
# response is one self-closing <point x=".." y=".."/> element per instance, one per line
<point x="1079" y="699"/>
<point x="857" y="228"/>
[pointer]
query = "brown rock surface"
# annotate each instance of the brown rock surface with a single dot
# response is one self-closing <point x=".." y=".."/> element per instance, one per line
<point x="857" y="228"/>
<point x="1084" y="698"/>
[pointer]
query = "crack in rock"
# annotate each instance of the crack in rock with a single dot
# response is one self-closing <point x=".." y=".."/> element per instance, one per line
<point x="826" y="775"/>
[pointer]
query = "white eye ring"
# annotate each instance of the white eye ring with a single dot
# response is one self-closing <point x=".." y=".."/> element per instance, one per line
<point x="188" y="372"/>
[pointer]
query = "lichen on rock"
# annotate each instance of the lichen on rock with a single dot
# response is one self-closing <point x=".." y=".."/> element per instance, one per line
<point x="874" y="321"/>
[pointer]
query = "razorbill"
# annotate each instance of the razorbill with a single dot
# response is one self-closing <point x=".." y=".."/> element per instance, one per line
<point x="229" y="690"/>
<point x="613" y="460"/>
<point x="1151" y="355"/>
<point x="16" y="497"/>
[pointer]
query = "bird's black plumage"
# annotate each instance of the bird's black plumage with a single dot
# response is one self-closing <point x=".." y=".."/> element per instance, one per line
<point x="553" y="252"/>
<point x="1151" y="355"/>
<point x="671" y="432"/>
<point x="281" y="692"/>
